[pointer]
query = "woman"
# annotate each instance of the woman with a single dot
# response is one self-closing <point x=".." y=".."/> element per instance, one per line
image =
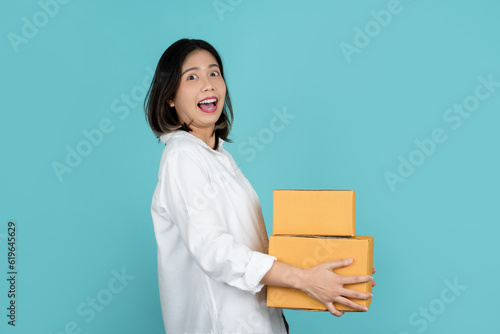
<point x="212" y="242"/>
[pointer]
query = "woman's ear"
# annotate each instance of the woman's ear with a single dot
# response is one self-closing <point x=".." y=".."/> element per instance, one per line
<point x="171" y="103"/>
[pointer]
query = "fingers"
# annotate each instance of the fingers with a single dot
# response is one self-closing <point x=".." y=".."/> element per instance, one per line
<point x="333" y="310"/>
<point x="338" y="263"/>
<point x="356" y="279"/>
<point x="352" y="304"/>
<point x="356" y="294"/>
<point x="374" y="283"/>
<point x="374" y="270"/>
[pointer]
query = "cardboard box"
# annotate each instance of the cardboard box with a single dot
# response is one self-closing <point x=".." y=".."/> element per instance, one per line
<point x="306" y="252"/>
<point x="314" y="212"/>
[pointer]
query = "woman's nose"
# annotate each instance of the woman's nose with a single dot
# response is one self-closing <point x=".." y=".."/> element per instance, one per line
<point x="207" y="85"/>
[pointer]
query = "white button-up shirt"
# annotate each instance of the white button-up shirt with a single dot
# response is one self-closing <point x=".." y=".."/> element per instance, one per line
<point x="212" y="243"/>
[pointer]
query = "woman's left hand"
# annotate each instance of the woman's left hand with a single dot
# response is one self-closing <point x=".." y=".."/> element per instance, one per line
<point x="373" y="272"/>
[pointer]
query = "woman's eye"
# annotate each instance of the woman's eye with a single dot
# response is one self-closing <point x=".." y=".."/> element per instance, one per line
<point x="192" y="77"/>
<point x="214" y="74"/>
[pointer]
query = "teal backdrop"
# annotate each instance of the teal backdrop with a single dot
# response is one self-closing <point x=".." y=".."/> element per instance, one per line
<point x="397" y="100"/>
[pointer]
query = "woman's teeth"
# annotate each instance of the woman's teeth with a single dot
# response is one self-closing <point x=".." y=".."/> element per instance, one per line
<point x="208" y="101"/>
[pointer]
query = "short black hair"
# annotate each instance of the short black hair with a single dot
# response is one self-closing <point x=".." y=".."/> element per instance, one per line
<point x="160" y="116"/>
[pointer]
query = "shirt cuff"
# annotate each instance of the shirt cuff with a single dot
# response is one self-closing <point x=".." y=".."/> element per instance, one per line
<point x="258" y="266"/>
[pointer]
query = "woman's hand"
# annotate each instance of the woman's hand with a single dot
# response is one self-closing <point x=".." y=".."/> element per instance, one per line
<point x="322" y="284"/>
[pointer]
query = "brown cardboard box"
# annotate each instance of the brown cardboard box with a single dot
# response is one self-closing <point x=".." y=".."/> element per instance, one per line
<point x="314" y="212"/>
<point x="306" y="252"/>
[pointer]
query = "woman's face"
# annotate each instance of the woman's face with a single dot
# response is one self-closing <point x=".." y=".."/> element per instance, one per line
<point x="200" y="96"/>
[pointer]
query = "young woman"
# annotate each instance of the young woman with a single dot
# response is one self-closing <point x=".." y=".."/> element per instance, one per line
<point x="212" y="242"/>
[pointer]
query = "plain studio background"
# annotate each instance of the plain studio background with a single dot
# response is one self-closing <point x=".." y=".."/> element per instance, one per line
<point x="398" y="101"/>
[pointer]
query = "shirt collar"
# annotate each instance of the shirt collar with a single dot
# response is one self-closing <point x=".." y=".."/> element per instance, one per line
<point x="184" y="134"/>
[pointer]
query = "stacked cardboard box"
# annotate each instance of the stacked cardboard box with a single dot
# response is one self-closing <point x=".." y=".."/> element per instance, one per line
<point x="311" y="227"/>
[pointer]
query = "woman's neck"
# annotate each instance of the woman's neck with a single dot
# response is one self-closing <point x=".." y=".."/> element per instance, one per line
<point x="207" y="135"/>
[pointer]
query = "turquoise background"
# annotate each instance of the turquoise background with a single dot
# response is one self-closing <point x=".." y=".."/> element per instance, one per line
<point x="352" y="117"/>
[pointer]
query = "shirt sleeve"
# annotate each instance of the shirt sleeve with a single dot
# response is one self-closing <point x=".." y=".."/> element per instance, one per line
<point x="190" y="196"/>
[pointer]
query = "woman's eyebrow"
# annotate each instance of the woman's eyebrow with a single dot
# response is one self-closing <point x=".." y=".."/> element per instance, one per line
<point x="197" y="68"/>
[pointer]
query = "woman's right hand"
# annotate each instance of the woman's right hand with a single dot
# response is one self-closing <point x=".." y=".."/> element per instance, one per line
<point x="322" y="284"/>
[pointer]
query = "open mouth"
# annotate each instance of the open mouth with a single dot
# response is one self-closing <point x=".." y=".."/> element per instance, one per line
<point x="208" y="105"/>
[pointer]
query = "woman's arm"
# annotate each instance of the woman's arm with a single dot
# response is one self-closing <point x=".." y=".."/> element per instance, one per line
<point x="319" y="282"/>
<point x="190" y="196"/>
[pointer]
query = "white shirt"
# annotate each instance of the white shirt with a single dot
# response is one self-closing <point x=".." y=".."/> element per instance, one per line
<point x="212" y="243"/>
